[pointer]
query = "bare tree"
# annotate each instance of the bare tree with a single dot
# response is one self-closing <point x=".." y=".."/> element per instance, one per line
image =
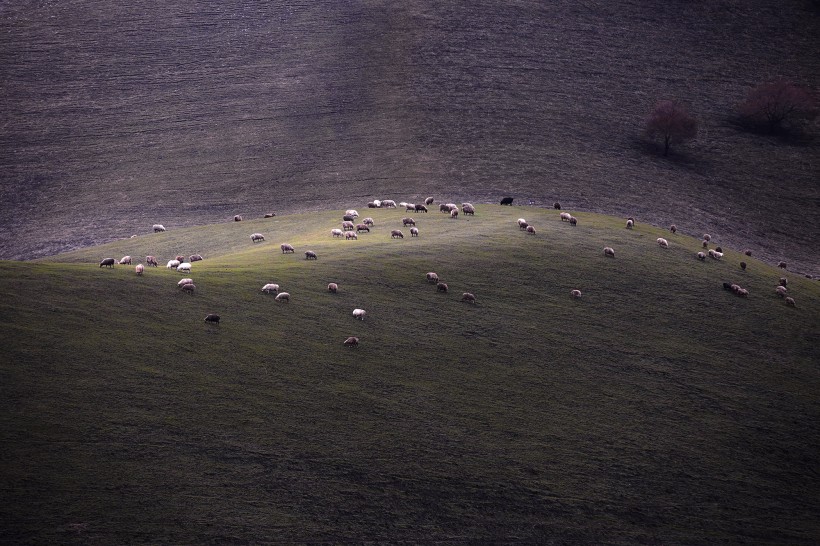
<point x="670" y="121"/>
<point x="772" y="104"/>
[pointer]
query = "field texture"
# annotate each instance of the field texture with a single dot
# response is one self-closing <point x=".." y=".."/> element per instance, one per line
<point x="656" y="409"/>
<point x="120" y="114"/>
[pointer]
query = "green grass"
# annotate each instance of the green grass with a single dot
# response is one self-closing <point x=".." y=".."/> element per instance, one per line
<point x="656" y="408"/>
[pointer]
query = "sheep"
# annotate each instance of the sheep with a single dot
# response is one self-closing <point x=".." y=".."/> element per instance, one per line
<point x="507" y="201"/>
<point x="743" y="266"/>
<point x="347" y="218"/>
<point x="468" y="209"/>
<point x="428" y="201"/>
<point x="707" y="237"/>
<point x="173" y="264"/>
<point x="734" y="287"/>
<point x="237" y="218"/>
<point x="444" y="207"/>
<point x="468" y="297"/>
<point x="352" y="341"/>
<point x="701" y="256"/>
<point x="629" y="224"/>
<point x="522" y="224"/>
<point x="377" y="203"/>
<point x="573" y="221"/>
<point x="212" y="318"/>
<point x="575" y="294"/>
<point x="454" y="212"/>
<point x="747" y="252"/>
<point x="396" y="233"/>
<point x="257" y="237"/>
<point x="784" y="281"/>
<point x="371" y="205"/>
<point x="414" y="232"/>
<point x="270" y="287"/>
<point x="409" y="207"/>
<point x="287" y="248"/>
<point x="408" y="222"/>
<point x="389" y="203"/>
<point x="270" y="215"/>
<point x="351" y="235"/>
<point x="432" y="277"/>
<point x="336" y="232"/>
<point x="158" y="228"/>
<point x="310" y="255"/>
<point x="781" y="291"/>
<point x="556" y="205"/>
<point x="282" y="297"/>
<point x="442" y="287"/>
<point x="348" y="225"/>
<point x="368" y="222"/>
<point x="189" y="288"/>
<point x="608" y="251"/>
<point x="362" y="227"/>
<point x="718" y="249"/>
<point x="663" y="242"/>
<point x="728" y="286"/>
<point x="790" y="301"/>
<point x="185" y="281"/>
<point x="108" y="262"/>
<point x="421" y="208"/>
<point x="359" y="314"/>
<point x="180" y="259"/>
<point x="715" y="254"/>
<point x="139" y="269"/>
<point x="332" y="287"/>
<point x="184" y="266"/>
<point x="782" y="265"/>
<point x="352" y="212"/>
<point x="195" y="258"/>
<point x="565" y="216"/>
<point x="125" y="260"/>
<point x="742" y="292"/>
<point x="531" y="229"/>
<point x="705" y="244"/>
<point x="466" y="205"/>
<point x="673" y="228"/>
<point x="151" y="261"/>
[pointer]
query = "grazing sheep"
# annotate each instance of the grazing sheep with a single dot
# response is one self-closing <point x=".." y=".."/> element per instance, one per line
<point x="173" y="264"/>
<point x="332" y="287"/>
<point x="743" y="266"/>
<point x="782" y="265"/>
<point x="573" y="221"/>
<point x="609" y="251"/>
<point x="629" y="224"/>
<point x="359" y="314"/>
<point x="734" y="287"/>
<point x="469" y="298"/>
<point x="575" y="294"/>
<point x="673" y="228"/>
<point x="781" y="290"/>
<point x="522" y="224"/>
<point x="108" y="262"/>
<point x="180" y="259"/>
<point x="368" y="222"/>
<point x="790" y="301"/>
<point x="257" y="237"/>
<point x="348" y="226"/>
<point x="283" y="297"/>
<point x="531" y="229"/>
<point x="183" y="282"/>
<point x="189" y="288"/>
<point x="454" y="213"/>
<point x="701" y="256"/>
<point x="396" y="233"/>
<point x="389" y="203"/>
<point x="212" y="319"/>
<point x="409" y="207"/>
<point x="336" y="232"/>
<point x="715" y="254"/>
<point x="237" y="218"/>
<point x="784" y="281"/>
<point x="747" y="252"/>
<point x="707" y="237"/>
<point x="139" y="269"/>
<point x="414" y="232"/>
<point x="718" y="249"/>
<point x="705" y="244"/>
<point x="377" y="203"/>
<point x="270" y="215"/>
<point x="184" y="266"/>
<point x="507" y="201"/>
<point x="352" y="341"/>
<point x="310" y="255"/>
<point x="556" y="205"/>
<point x="408" y="222"/>
<point x="432" y="278"/>
<point x="468" y="209"/>
<point x="421" y="208"/>
<point x="347" y="218"/>
<point x="270" y="287"/>
<point x="362" y="227"/>
<point x="663" y="242"/>
<point x="195" y="258"/>
<point x="428" y="201"/>
<point x="742" y="292"/>
<point x="286" y="248"/>
<point x="125" y="260"/>
<point x="728" y="286"/>
<point x="444" y="207"/>
<point x="442" y="287"/>
<point x="151" y="260"/>
<point x="351" y="235"/>
<point x="371" y="205"/>
<point x="352" y="212"/>
<point x="565" y="216"/>
<point x="158" y="228"/>
<point x="466" y="205"/>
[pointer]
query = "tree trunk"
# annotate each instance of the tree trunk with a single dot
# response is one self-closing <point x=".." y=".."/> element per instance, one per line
<point x="666" y="142"/>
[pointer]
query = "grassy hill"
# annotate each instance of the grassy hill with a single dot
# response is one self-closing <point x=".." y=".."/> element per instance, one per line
<point x="658" y="408"/>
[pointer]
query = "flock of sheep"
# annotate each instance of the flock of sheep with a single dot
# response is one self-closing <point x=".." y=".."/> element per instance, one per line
<point x="350" y="230"/>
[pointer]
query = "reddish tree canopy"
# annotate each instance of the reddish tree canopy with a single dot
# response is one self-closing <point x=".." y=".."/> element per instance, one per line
<point x="772" y="104"/>
<point x="670" y="121"/>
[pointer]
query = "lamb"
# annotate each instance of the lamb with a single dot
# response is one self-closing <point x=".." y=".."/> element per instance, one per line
<point x="173" y="264"/>
<point x="468" y="297"/>
<point x="287" y="248"/>
<point x="507" y="201"/>
<point x="608" y="251"/>
<point x="139" y="269"/>
<point x="408" y="222"/>
<point x="359" y="314"/>
<point x="189" y="288"/>
<point x="575" y="294"/>
<point x="352" y="341"/>
<point x="212" y="319"/>
<point x="184" y="266"/>
<point x="347" y="218"/>
<point x="282" y="297"/>
<point x="790" y="301"/>
<point x="125" y="260"/>
<point x="663" y="242"/>
<point x="332" y="287"/>
<point x="310" y="255"/>
<point x="351" y="235"/>
<point x="421" y="208"/>
<point x="270" y="287"/>
<point x="531" y="229"/>
<point x="368" y="222"/>
<point x="158" y="228"/>
<point x="257" y="237"/>
<point x="237" y="218"/>
<point x="454" y="212"/>
<point x="336" y="232"/>
<point x="409" y="207"/>
<point x="185" y="281"/>
<point x="108" y="262"/>
<point x="565" y="216"/>
<point x="414" y="232"/>
<point x="151" y="260"/>
<point x="573" y="221"/>
<point x="352" y="212"/>
<point x="629" y="224"/>
<point x="522" y="224"/>
<point x="701" y="256"/>
<point x="195" y="258"/>
<point x="396" y="233"/>
<point x="432" y="278"/>
<point x="441" y="287"/>
<point x="782" y="265"/>
<point x="362" y="227"/>
<point x="673" y="228"/>
<point x="428" y="201"/>
<point x="707" y="237"/>
<point x="468" y="209"/>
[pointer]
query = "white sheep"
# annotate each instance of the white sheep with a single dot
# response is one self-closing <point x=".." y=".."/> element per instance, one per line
<point x="409" y="207"/>
<point x="139" y="269"/>
<point x="389" y="203"/>
<point x="468" y="297"/>
<point x="377" y="204"/>
<point x="414" y="232"/>
<point x="283" y="297"/>
<point x="125" y="260"/>
<point x="465" y="205"/>
<point x="352" y="212"/>
<point x="396" y="233"/>
<point x="270" y="287"/>
<point x="189" y="288"/>
<point x="352" y="341"/>
<point x="158" y="228"/>
<point x="629" y="224"/>
<point x="173" y="264"/>
<point x="781" y="290"/>
<point x="454" y="212"/>
<point x="287" y="248"/>
<point x="565" y="216"/>
<point x="368" y="222"/>
<point x="522" y="224"/>
<point x="707" y="237"/>
<point x="663" y="242"/>
<point x="183" y="282"/>
<point x="468" y="209"/>
<point x="575" y="294"/>
<point x="432" y="277"/>
<point x="257" y="237"/>
<point x="359" y="314"/>
<point x="351" y="235"/>
<point x="347" y="225"/>
<point x="336" y="232"/>
<point x="701" y="256"/>
<point x="184" y="266"/>
<point x="790" y="301"/>
<point x="609" y="251"/>
<point x="332" y="287"/>
<point x="531" y="229"/>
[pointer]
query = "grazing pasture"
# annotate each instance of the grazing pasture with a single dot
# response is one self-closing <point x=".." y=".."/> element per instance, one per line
<point x="658" y="408"/>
